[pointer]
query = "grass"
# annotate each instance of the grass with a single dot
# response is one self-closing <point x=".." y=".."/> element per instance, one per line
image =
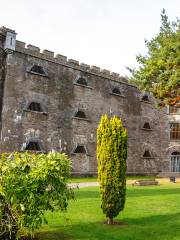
<point x="94" y="179"/>
<point x="151" y="213"/>
<point x="83" y="179"/>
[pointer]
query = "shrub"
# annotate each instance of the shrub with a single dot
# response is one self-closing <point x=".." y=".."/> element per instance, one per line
<point x="31" y="184"/>
<point x="111" y="155"/>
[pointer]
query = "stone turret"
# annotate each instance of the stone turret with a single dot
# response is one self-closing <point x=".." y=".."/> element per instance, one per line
<point x="7" y="39"/>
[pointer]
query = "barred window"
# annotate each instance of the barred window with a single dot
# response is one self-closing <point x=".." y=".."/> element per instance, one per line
<point x="82" y="81"/>
<point x="80" y="114"/>
<point x="116" y="91"/>
<point x="37" y="69"/>
<point x="33" y="146"/>
<point x="145" y="98"/>
<point x="175" y="131"/>
<point x="80" y="149"/>
<point x="174" y="110"/>
<point x="34" y="106"/>
<point x="147" y="154"/>
<point x="146" y="126"/>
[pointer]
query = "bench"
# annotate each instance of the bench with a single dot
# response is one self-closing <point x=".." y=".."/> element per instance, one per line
<point x="147" y="182"/>
<point x="172" y="179"/>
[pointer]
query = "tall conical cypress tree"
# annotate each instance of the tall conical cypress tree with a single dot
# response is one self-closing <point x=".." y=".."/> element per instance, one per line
<point x="112" y="155"/>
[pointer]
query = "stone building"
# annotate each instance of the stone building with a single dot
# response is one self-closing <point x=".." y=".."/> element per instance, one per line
<point x="50" y="103"/>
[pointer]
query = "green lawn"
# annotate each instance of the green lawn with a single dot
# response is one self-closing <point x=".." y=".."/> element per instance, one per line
<point x="94" y="179"/>
<point x="83" y="179"/>
<point x="150" y="213"/>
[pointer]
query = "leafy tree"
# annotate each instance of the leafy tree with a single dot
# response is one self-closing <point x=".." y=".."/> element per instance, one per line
<point x="111" y="155"/>
<point x="159" y="70"/>
<point x="31" y="184"/>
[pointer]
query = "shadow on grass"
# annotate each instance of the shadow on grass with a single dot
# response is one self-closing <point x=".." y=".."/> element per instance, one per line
<point x="132" y="192"/>
<point x="150" y="228"/>
<point x="148" y="191"/>
<point x="87" y="194"/>
<point x="53" y="234"/>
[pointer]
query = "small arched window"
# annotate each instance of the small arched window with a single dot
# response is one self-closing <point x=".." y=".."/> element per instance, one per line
<point x="82" y="81"/>
<point x="175" y="162"/>
<point x="116" y="91"/>
<point x="147" y="126"/>
<point x="35" y="106"/>
<point x="145" y="98"/>
<point x="80" y="114"/>
<point x="37" y="69"/>
<point x="147" y="154"/>
<point x="80" y="149"/>
<point x="175" y="153"/>
<point x="33" y="146"/>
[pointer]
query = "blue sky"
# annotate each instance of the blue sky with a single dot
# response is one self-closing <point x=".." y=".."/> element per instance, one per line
<point x="105" y="33"/>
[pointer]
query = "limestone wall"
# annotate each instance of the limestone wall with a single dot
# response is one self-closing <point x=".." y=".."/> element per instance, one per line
<point x="60" y="96"/>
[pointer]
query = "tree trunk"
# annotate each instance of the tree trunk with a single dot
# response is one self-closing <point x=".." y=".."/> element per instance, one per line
<point x="110" y="221"/>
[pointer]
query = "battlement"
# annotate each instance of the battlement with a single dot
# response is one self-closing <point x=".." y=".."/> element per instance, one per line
<point x="61" y="59"/>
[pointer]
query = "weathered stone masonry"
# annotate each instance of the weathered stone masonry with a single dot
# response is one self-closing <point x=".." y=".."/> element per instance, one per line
<point x="51" y="103"/>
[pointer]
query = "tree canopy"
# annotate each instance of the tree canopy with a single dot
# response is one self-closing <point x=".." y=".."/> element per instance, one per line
<point x="159" y="69"/>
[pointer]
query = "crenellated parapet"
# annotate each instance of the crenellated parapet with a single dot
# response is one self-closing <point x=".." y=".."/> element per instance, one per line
<point x="63" y="60"/>
<point x="10" y="44"/>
